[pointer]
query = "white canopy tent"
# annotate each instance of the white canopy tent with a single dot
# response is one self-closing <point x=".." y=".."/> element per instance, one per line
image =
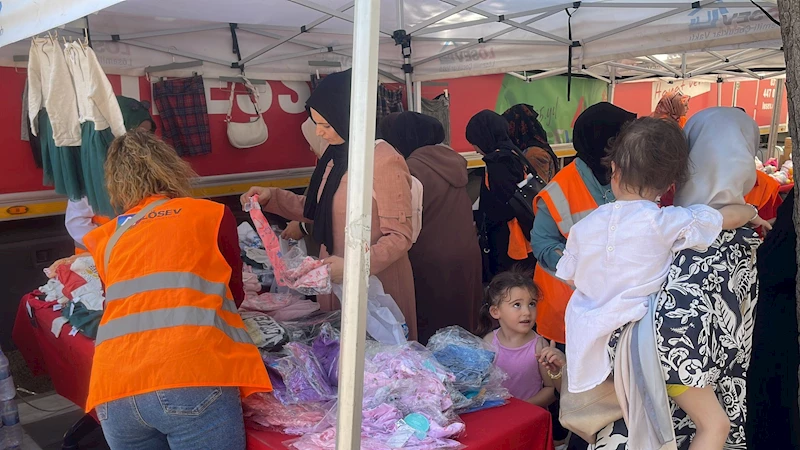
<point x="289" y="39"/>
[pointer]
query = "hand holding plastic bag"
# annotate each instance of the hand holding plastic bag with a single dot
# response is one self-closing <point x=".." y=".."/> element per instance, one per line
<point x="294" y="269"/>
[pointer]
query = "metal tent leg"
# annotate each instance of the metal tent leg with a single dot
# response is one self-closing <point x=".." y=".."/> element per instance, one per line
<point x="359" y="219"/>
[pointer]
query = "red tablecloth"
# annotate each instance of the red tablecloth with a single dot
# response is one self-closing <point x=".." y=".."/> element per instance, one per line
<point x="68" y="360"/>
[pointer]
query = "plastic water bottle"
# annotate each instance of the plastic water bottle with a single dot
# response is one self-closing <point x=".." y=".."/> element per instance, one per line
<point x="7" y="389"/>
<point x="11" y="425"/>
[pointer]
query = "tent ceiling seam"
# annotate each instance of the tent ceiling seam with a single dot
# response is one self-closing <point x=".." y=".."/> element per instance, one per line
<point x="303" y="29"/>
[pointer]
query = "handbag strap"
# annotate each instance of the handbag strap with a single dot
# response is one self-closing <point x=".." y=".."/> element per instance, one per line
<point x="528" y="165"/>
<point x="252" y="94"/>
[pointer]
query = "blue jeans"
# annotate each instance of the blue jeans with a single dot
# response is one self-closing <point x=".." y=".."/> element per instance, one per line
<point x="186" y="418"/>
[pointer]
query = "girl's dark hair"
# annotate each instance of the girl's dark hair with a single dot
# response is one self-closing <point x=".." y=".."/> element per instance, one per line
<point x="650" y="154"/>
<point x="498" y="290"/>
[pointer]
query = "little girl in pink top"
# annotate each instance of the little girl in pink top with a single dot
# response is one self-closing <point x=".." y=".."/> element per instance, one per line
<point x="523" y="355"/>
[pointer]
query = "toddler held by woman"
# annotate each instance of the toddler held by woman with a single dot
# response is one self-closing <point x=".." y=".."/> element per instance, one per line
<point x="621" y="253"/>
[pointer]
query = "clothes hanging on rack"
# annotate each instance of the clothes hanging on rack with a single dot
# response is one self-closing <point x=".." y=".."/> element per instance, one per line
<point x="184" y="115"/>
<point x="50" y="87"/>
<point x="25" y="130"/>
<point x="389" y="101"/>
<point x="53" y="113"/>
<point x="101" y="121"/>
<point x="439" y="108"/>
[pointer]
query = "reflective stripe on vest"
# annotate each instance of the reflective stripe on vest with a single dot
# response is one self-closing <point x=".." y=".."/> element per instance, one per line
<point x="166" y="318"/>
<point x="560" y="202"/>
<point x="170" y="280"/>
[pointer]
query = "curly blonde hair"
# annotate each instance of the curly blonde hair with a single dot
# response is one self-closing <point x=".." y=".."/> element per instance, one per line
<point x="140" y="165"/>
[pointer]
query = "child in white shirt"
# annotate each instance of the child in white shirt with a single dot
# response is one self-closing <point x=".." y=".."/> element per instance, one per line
<point x="621" y="253"/>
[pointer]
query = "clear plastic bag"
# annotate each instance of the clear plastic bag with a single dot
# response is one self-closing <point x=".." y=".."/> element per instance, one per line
<point x="385" y="322"/>
<point x="265" y="411"/>
<point x="406" y="403"/>
<point x="478" y="380"/>
<point x="302" y="378"/>
<point x="294" y="269"/>
<point x="306" y="329"/>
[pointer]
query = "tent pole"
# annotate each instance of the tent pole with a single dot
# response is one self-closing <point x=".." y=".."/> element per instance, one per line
<point x="735" y="93"/>
<point x="612" y="86"/>
<point x="719" y="91"/>
<point x="403" y="39"/>
<point x="777" y="104"/>
<point x="418" y="96"/>
<point x="363" y="97"/>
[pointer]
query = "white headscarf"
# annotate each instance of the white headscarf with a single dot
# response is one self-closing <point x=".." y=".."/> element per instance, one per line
<point x="722" y="148"/>
<point x="318" y="145"/>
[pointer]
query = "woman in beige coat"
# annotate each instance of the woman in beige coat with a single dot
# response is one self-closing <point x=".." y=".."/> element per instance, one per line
<point x="326" y="202"/>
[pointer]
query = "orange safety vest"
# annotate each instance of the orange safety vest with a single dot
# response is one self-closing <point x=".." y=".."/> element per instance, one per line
<point x="170" y="320"/>
<point x="568" y="200"/>
<point x="519" y="246"/>
<point x="765" y="196"/>
<point x="97" y="220"/>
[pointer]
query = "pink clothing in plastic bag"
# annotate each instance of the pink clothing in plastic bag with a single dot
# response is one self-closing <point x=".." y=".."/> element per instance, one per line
<point x="265" y="410"/>
<point x="280" y="306"/>
<point x="295" y="270"/>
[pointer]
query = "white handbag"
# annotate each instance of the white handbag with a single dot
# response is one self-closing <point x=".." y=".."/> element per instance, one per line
<point x="246" y="134"/>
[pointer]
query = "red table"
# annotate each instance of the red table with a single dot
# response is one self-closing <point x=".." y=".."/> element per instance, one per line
<point x="68" y="359"/>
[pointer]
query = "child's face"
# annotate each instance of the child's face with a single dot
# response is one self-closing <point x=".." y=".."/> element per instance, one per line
<point x="516" y="312"/>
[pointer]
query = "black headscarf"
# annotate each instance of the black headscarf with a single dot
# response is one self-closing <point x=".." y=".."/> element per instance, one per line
<point x="489" y="131"/>
<point x="386" y="125"/>
<point x="593" y="129"/>
<point x="331" y="99"/>
<point x="410" y="131"/>
<point x="524" y="127"/>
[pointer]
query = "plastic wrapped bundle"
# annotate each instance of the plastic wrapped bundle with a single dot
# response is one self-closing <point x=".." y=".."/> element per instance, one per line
<point x="326" y="349"/>
<point x="302" y="379"/>
<point x="406" y="403"/>
<point x="263" y="411"/>
<point x="266" y="333"/>
<point x="306" y="329"/>
<point x="478" y="381"/>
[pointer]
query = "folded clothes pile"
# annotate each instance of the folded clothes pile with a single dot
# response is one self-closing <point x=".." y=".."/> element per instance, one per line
<point x="76" y="288"/>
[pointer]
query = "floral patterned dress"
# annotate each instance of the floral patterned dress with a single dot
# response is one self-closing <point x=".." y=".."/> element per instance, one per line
<point x="704" y="332"/>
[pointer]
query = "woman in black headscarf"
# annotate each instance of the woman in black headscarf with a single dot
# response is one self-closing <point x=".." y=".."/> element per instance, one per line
<point x="446" y="258"/>
<point x="529" y="136"/>
<point x="505" y="245"/>
<point x="325" y="204"/>
<point x="773" y="419"/>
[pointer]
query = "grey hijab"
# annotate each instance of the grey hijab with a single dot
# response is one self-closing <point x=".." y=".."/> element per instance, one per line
<point x="722" y="148"/>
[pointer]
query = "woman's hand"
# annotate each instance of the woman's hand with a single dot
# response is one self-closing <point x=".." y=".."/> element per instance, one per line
<point x="293" y="231"/>
<point x="336" y="267"/>
<point x="759" y="222"/>
<point x="264" y="195"/>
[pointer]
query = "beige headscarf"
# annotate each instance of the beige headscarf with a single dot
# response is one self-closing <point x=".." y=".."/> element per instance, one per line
<point x="722" y="146"/>
<point x="318" y="145"/>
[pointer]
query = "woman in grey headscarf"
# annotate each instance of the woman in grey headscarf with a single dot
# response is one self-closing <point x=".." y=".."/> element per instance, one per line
<point x="704" y="314"/>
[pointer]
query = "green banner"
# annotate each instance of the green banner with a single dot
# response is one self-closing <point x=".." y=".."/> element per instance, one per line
<point x="548" y="97"/>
